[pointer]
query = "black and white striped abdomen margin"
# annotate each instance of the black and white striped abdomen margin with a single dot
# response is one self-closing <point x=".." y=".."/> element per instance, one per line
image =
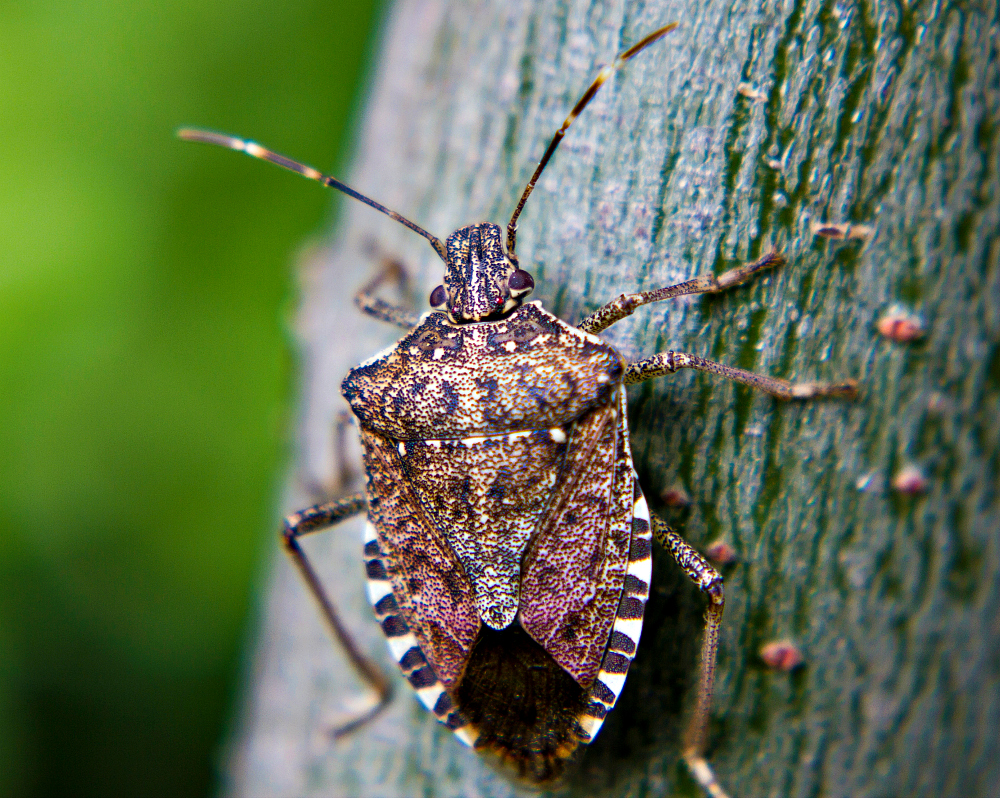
<point x="403" y="643"/>
<point x="627" y="628"/>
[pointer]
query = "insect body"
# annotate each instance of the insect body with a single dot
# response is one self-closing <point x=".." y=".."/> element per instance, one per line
<point x="508" y="544"/>
<point x="502" y="435"/>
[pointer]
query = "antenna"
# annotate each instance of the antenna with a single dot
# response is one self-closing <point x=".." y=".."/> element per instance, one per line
<point x="588" y="95"/>
<point x="254" y="150"/>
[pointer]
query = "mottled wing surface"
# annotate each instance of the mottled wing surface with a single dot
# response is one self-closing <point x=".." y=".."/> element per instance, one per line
<point x="428" y="581"/>
<point x="574" y="570"/>
<point x="486" y="495"/>
<point x="478" y="437"/>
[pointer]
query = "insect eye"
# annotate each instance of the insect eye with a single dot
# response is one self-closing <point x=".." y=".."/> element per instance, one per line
<point x="520" y="281"/>
<point x="438" y="297"/>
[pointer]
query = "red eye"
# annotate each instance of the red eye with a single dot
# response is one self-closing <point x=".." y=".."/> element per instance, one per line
<point x="438" y="296"/>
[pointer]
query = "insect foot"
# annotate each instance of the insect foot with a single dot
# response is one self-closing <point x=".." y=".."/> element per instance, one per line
<point x="508" y="545"/>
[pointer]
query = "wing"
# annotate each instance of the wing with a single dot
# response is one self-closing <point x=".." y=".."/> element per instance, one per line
<point x="574" y="571"/>
<point x="429" y="583"/>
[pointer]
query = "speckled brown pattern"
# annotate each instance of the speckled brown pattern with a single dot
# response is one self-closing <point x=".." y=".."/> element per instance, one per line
<point x="501" y="495"/>
<point x="579" y="555"/>
<point x="528" y="371"/>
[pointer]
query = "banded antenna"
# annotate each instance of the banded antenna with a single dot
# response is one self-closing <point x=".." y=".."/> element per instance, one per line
<point x="254" y="150"/>
<point x="588" y="95"/>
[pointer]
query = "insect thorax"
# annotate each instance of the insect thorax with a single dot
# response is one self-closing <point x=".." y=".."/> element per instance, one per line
<point x="528" y="371"/>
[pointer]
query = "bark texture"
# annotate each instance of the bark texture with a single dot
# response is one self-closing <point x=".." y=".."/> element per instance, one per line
<point x="882" y="114"/>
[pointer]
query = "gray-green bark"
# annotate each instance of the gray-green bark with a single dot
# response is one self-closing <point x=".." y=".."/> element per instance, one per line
<point x="882" y="114"/>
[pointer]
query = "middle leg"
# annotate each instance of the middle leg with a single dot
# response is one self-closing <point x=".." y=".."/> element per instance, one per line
<point x="669" y="362"/>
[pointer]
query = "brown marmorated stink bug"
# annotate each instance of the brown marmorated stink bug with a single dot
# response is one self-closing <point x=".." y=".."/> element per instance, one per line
<point x="508" y="544"/>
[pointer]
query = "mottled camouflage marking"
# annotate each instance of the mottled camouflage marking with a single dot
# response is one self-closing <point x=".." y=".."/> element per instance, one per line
<point x="580" y="553"/>
<point x="528" y="371"/>
<point x="485" y="495"/>
<point x="434" y="594"/>
<point x="478" y="524"/>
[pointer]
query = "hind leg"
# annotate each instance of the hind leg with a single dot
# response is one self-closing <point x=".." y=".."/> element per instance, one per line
<point x="709" y="581"/>
<point x="316" y="519"/>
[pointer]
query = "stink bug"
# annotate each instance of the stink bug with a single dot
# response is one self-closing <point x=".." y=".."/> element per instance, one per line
<point x="508" y="544"/>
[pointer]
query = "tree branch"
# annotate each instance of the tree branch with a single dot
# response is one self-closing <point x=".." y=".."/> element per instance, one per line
<point x="880" y="115"/>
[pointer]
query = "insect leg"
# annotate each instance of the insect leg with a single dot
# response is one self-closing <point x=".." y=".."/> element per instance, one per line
<point x="315" y="519"/>
<point x="345" y="471"/>
<point x="709" y="581"/>
<point x="390" y="270"/>
<point x="627" y="304"/>
<point x="669" y="362"/>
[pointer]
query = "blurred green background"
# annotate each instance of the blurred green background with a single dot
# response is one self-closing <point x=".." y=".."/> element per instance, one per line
<point x="144" y="365"/>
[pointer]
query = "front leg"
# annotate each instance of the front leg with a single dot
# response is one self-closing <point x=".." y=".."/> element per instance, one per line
<point x="390" y="270"/>
<point x="627" y="304"/>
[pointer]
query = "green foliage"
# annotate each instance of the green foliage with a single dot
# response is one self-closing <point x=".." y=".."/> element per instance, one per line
<point x="144" y="365"/>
